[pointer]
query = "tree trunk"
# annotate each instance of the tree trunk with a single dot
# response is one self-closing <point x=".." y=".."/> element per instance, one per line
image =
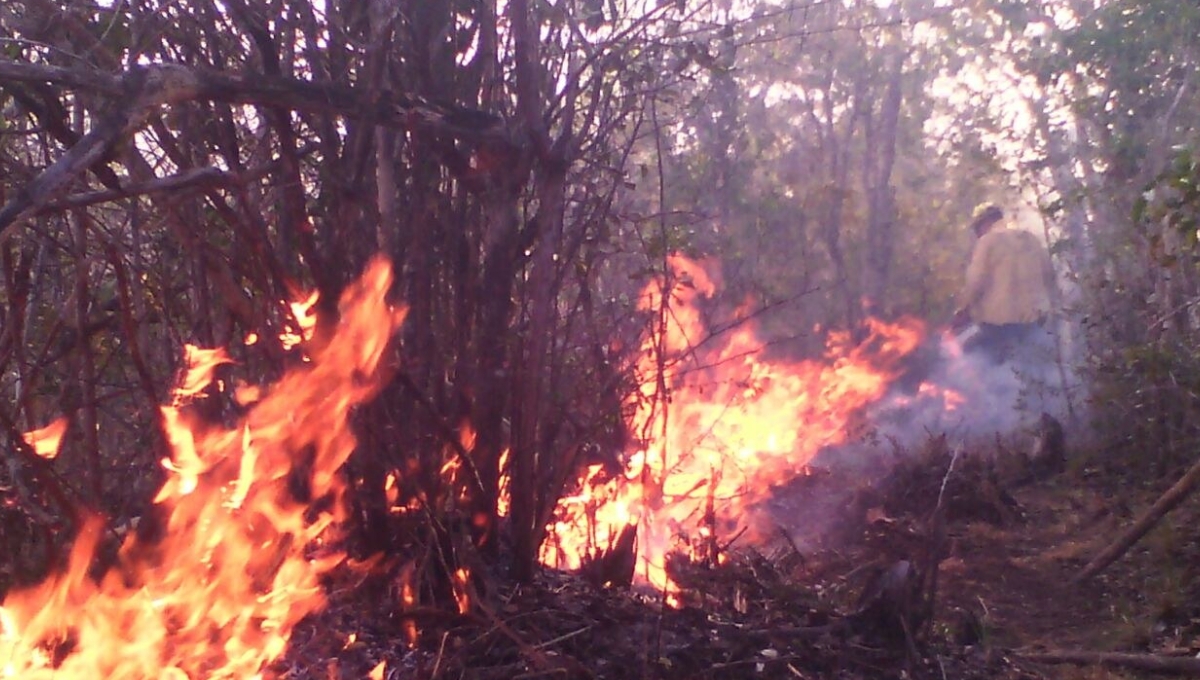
<point x="880" y="155"/>
<point x="528" y="458"/>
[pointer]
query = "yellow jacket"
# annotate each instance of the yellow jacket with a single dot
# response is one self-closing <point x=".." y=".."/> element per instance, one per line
<point x="1010" y="278"/>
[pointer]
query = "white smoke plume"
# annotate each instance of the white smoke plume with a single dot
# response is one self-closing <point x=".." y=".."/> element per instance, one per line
<point x="971" y="397"/>
<point x="963" y="394"/>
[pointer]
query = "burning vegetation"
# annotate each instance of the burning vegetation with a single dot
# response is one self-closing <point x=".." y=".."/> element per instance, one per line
<point x="449" y="402"/>
<point x="719" y="426"/>
<point x="250" y="518"/>
<point x="252" y="515"/>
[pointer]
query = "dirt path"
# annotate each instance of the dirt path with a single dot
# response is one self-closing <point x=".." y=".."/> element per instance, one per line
<point x="1017" y="579"/>
<point x="1008" y="584"/>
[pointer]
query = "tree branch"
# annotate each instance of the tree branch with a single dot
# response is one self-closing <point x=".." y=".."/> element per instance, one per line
<point x="184" y="180"/>
<point x="182" y="83"/>
<point x="142" y="89"/>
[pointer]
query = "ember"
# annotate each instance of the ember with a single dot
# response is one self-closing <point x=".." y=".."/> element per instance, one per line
<point x="46" y="440"/>
<point x="239" y="564"/>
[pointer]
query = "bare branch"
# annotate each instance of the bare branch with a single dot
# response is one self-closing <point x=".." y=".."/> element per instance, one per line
<point x="143" y="89"/>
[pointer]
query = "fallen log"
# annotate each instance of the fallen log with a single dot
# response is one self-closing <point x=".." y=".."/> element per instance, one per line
<point x="1152" y="663"/>
<point x="1171" y="498"/>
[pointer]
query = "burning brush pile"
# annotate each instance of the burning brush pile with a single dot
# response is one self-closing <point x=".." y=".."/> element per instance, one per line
<point x="249" y="527"/>
<point x="248" y="562"/>
<point x="720" y="432"/>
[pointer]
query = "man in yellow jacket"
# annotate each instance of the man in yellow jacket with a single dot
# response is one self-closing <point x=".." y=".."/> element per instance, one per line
<point x="1010" y="288"/>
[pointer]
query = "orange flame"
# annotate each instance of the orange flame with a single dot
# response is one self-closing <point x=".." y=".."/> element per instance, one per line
<point x="951" y="399"/>
<point x="239" y="565"/>
<point x="305" y="314"/>
<point x="46" y="441"/>
<point x="406" y="579"/>
<point x="729" y="425"/>
<point x="201" y="363"/>
<point x="461" y="597"/>
<point x="504" y="501"/>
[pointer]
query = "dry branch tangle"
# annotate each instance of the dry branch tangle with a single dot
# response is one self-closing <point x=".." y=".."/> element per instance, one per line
<point x="140" y="90"/>
<point x="175" y="83"/>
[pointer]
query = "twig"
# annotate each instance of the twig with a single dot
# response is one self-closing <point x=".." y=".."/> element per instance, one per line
<point x="739" y="663"/>
<point x="531" y="652"/>
<point x="1153" y="663"/>
<point x="442" y="427"/>
<point x="184" y="180"/>
<point x="541" y="674"/>
<point x="43" y="475"/>
<point x="878" y="561"/>
<point x="929" y="570"/>
<point x="787" y="536"/>
<point x="564" y="637"/>
<point x="437" y="662"/>
<point x="142" y="90"/>
<point x="740" y="532"/>
<point x="946" y="479"/>
<point x="803" y="632"/>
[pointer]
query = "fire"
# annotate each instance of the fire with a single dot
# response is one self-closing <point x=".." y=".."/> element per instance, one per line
<point x="462" y="597"/>
<point x="201" y="363"/>
<point x="951" y="399"/>
<point x="241" y="556"/>
<point x="722" y="427"/>
<point x="504" y="500"/>
<point x="46" y="441"/>
<point x="405" y="580"/>
<point x="305" y="313"/>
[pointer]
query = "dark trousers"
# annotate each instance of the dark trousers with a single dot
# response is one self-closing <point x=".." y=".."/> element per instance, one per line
<point x="1000" y="343"/>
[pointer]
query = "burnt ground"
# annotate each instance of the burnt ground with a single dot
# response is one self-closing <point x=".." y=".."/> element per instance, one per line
<point x="813" y="598"/>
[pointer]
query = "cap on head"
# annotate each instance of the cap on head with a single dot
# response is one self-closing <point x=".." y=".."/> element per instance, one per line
<point x="985" y="216"/>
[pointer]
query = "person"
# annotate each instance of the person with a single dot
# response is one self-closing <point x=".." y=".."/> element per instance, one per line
<point x="1009" y="290"/>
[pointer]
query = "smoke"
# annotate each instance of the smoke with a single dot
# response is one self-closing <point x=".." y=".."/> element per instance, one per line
<point x="972" y="395"/>
<point x="953" y="387"/>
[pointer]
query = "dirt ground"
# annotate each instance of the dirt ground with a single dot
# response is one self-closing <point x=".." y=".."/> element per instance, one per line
<point x="791" y="605"/>
<point x="1018" y="579"/>
<point x="1006" y="578"/>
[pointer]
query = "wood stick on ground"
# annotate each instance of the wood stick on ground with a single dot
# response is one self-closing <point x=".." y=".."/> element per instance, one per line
<point x="1153" y="663"/>
<point x="1171" y="498"/>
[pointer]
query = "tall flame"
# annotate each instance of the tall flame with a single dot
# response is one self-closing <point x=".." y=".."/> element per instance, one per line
<point x="719" y="430"/>
<point x="249" y="514"/>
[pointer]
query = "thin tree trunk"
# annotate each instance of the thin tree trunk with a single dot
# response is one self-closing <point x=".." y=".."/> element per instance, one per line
<point x="86" y="385"/>
<point x="877" y="184"/>
<point x="492" y="353"/>
<point x="526" y="456"/>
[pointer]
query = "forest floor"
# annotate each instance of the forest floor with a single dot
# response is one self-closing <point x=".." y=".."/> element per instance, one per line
<point x="1018" y="579"/>
<point x="807" y="603"/>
